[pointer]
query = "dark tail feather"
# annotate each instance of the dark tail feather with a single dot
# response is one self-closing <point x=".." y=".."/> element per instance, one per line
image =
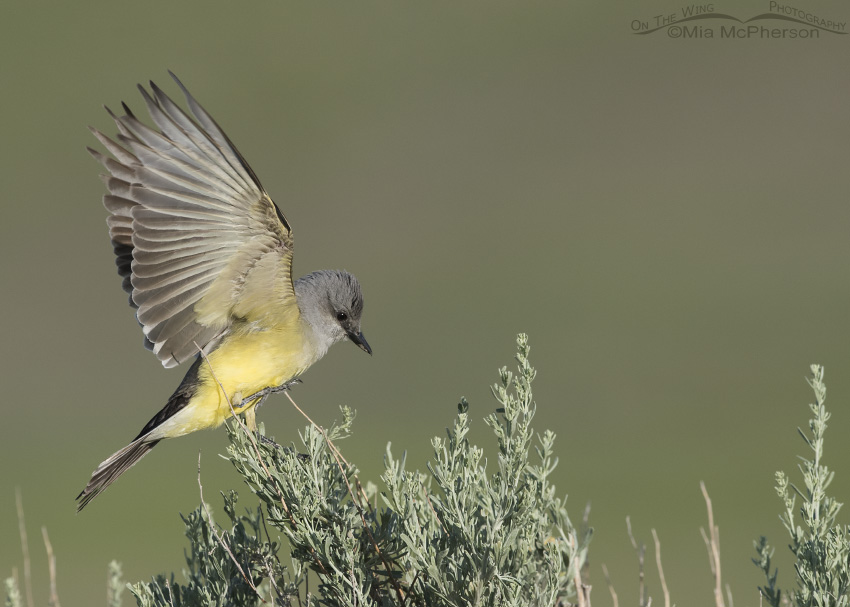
<point x="121" y="461"/>
<point x="117" y="463"/>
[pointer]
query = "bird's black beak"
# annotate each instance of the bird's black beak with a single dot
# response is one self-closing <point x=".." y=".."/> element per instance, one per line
<point x="361" y="342"/>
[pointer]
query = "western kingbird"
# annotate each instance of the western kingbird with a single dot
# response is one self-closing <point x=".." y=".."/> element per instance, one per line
<point x="206" y="257"/>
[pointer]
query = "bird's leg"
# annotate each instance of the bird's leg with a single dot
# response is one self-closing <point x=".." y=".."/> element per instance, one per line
<point x="240" y="405"/>
<point x="263" y="395"/>
<point x="260" y="397"/>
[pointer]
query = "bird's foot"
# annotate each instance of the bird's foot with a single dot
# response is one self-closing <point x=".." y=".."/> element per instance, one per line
<point x="265" y="392"/>
<point x="284" y="386"/>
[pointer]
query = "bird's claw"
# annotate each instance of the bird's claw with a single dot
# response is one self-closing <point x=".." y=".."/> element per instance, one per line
<point x="263" y="394"/>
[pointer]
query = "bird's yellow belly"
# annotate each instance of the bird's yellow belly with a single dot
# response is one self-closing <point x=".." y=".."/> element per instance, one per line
<point x="241" y="366"/>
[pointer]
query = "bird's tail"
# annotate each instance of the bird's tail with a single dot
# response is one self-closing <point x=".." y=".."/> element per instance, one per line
<point x="109" y="470"/>
<point x="121" y="461"/>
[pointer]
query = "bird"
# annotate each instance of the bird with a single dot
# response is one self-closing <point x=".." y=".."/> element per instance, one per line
<point x="206" y="258"/>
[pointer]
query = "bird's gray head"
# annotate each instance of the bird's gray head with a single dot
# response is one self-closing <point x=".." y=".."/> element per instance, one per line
<point x="332" y="303"/>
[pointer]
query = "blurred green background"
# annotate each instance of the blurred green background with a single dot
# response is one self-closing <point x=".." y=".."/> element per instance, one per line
<point x="666" y="218"/>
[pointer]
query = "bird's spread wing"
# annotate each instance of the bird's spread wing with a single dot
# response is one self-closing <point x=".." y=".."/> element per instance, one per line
<point x="199" y="243"/>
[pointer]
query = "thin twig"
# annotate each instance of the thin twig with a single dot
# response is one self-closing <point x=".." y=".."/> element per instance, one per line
<point x="219" y="539"/>
<point x="412" y="584"/>
<point x="51" y="567"/>
<point x="712" y="544"/>
<point x="629" y="531"/>
<point x="422" y="584"/>
<point x="707" y="541"/>
<point x="319" y="428"/>
<point x="430" y="505"/>
<point x="336" y="452"/>
<point x="276" y="557"/>
<point x="660" y="569"/>
<point x="641" y="550"/>
<point x="339" y="459"/>
<point x="362" y="492"/>
<point x="582" y="590"/>
<point x="613" y="592"/>
<point x="272" y="581"/>
<point x="169" y="600"/>
<point x="170" y="596"/>
<point x="272" y="584"/>
<point x="334" y="448"/>
<point x="25" y="548"/>
<point x="579" y="593"/>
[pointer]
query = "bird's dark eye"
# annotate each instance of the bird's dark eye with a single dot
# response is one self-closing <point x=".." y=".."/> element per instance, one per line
<point x="341" y="316"/>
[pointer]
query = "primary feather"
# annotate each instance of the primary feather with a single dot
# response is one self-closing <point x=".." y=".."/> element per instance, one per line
<point x="198" y="242"/>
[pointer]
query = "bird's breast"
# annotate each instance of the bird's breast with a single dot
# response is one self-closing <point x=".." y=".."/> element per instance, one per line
<point x="246" y="363"/>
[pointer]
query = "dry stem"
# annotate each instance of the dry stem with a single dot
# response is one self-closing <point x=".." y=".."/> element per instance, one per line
<point x="613" y="592"/>
<point x="712" y="544"/>
<point x="219" y="539"/>
<point x="25" y="549"/>
<point x="51" y="566"/>
<point x="641" y="551"/>
<point x="660" y="569"/>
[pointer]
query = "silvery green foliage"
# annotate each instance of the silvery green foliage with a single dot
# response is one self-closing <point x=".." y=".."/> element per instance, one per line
<point x="771" y="593"/>
<point x="479" y="538"/>
<point x="459" y="535"/>
<point x="13" y="593"/>
<point x="213" y="578"/>
<point x="114" y="584"/>
<point x="307" y="499"/>
<point x="821" y="547"/>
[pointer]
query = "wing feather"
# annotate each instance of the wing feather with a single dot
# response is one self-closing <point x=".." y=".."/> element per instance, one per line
<point x="204" y="337"/>
<point x="184" y="254"/>
<point x="197" y="149"/>
<point x="182" y="130"/>
<point x="177" y="322"/>
<point x="198" y="242"/>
